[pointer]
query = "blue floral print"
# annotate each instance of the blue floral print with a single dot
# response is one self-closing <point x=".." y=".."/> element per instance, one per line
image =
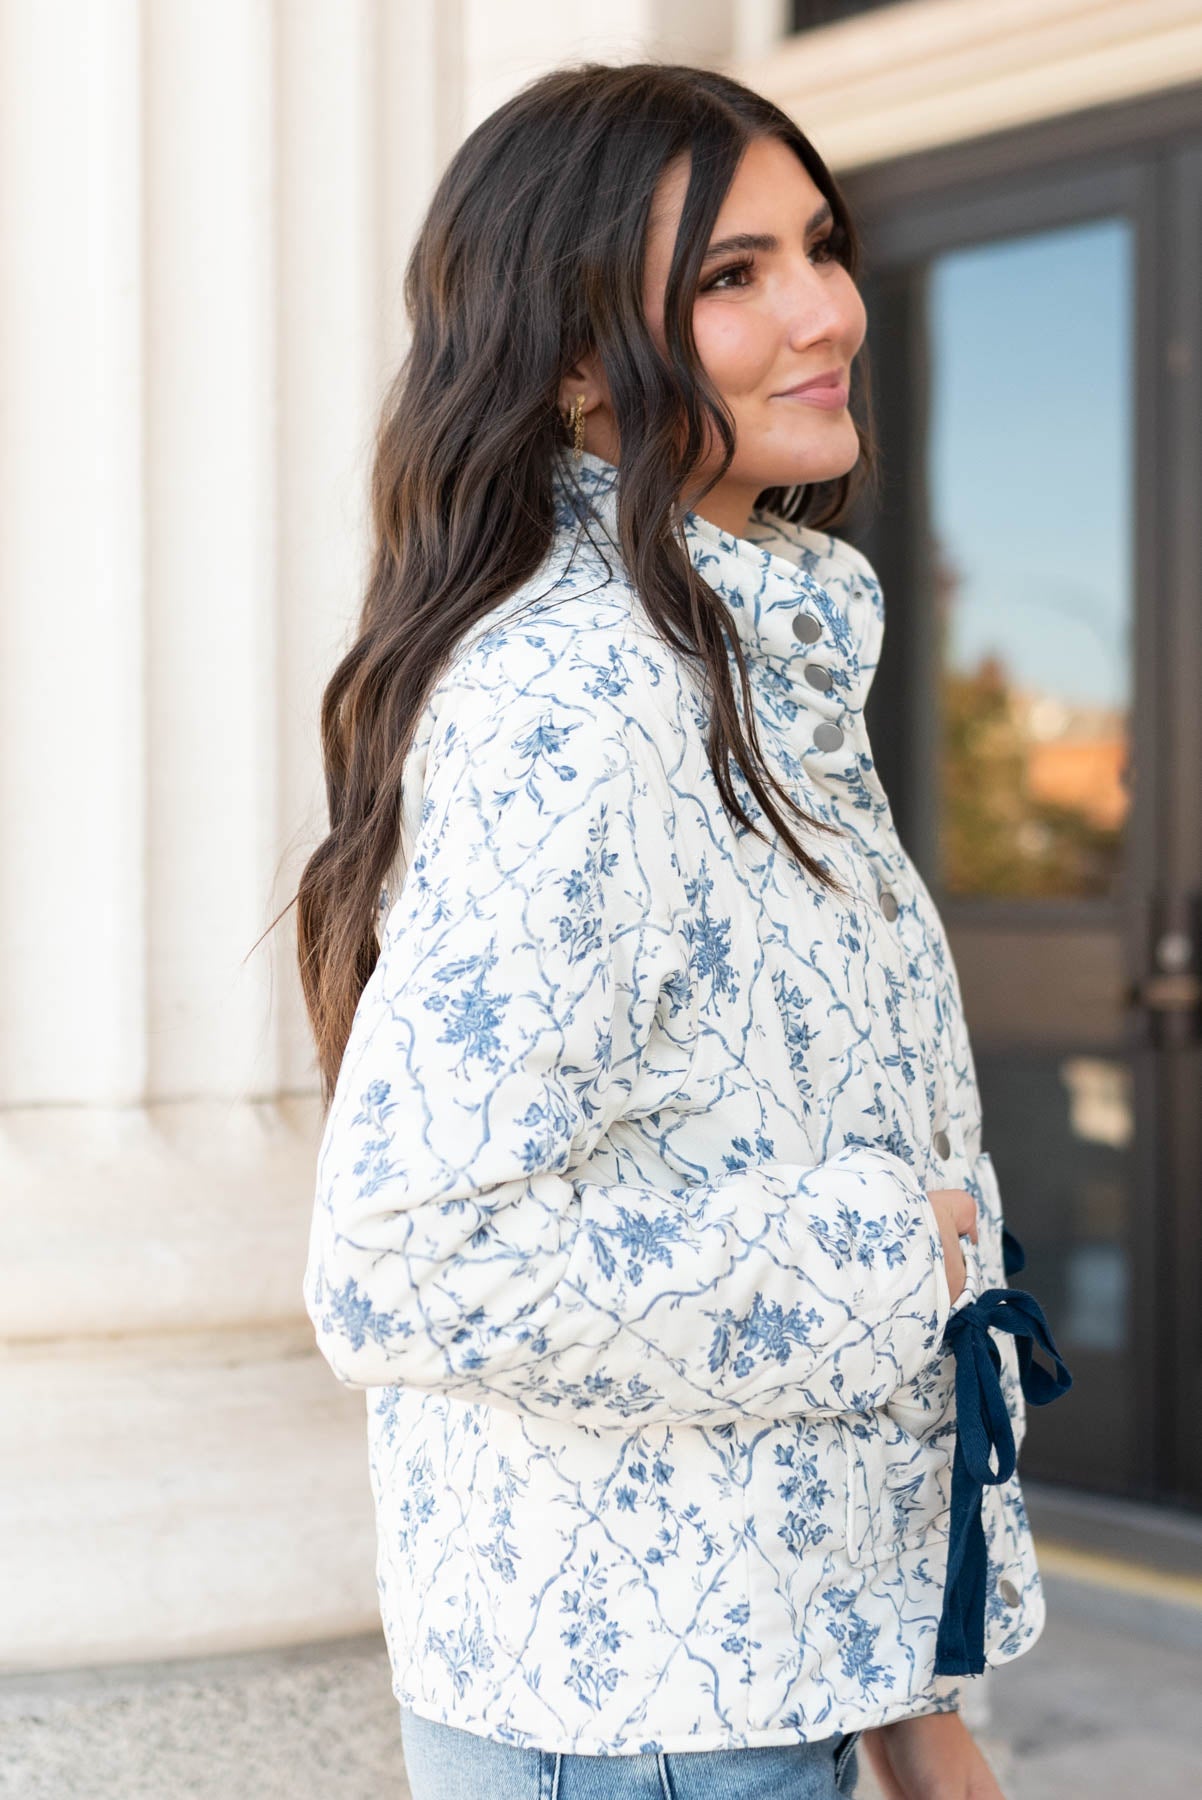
<point x="621" y="1215"/>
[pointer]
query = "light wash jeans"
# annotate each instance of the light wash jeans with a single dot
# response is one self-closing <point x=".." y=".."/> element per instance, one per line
<point x="445" y="1763"/>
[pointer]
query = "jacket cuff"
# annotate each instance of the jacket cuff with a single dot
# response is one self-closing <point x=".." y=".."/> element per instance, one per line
<point x="972" y="1276"/>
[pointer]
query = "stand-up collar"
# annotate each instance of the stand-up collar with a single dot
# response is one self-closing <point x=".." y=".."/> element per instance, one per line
<point x="807" y="606"/>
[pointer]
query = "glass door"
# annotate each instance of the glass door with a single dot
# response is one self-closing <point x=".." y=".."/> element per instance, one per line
<point x="1029" y="717"/>
<point x="1030" y="575"/>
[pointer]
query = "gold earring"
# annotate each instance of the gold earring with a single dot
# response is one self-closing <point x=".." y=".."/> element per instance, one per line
<point x="578" y="428"/>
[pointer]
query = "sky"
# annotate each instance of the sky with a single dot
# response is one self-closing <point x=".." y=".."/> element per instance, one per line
<point x="1030" y="453"/>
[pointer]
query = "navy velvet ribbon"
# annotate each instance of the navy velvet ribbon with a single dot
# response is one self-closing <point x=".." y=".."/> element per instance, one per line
<point x="983" y="1425"/>
<point x="1014" y="1257"/>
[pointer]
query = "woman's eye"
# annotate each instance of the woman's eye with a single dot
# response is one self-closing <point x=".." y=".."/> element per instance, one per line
<point x="830" y="247"/>
<point x="739" y="268"/>
<point x="824" y="250"/>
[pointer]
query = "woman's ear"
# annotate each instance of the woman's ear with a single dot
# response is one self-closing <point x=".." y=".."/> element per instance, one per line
<point x="586" y="377"/>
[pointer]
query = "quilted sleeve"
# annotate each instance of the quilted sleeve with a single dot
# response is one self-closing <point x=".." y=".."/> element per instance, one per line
<point x="540" y="942"/>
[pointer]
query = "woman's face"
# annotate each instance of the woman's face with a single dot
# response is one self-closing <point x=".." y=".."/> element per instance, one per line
<point x="766" y="316"/>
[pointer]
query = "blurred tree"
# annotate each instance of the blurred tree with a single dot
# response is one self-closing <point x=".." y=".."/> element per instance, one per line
<point x="997" y="838"/>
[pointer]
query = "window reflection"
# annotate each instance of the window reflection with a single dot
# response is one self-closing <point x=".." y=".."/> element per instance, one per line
<point x="1029" y="449"/>
<point x="1101" y="1104"/>
<point x="1061" y="1129"/>
<point x="1101" y="1110"/>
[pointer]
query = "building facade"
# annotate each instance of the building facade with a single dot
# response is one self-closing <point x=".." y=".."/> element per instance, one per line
<point x="206" y="212"/>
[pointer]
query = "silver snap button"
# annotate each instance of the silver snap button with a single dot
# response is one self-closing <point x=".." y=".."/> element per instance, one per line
<point x="942" y="1144"/>
<point x="806" y="628"/>
<point x="1009" y="1592"/>
<point x="818" y="677"/>
<point x="827" y="736"/>
<point x="888" y="903"/>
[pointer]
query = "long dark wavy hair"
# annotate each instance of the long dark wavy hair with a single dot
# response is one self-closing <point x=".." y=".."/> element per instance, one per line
<point x="531" y="255"/>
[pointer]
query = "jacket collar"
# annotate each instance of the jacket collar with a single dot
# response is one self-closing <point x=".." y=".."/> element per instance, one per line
<point x="768" y="578"/>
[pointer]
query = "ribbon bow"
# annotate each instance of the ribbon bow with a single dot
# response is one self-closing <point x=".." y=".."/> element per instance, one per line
<point x="983" y="1425"/>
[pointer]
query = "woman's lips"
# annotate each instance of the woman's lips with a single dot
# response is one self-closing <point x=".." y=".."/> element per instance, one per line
<point x="831" y="399"/>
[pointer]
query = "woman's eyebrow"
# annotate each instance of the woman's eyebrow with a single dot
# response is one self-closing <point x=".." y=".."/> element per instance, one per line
<point x="749" y="240"/>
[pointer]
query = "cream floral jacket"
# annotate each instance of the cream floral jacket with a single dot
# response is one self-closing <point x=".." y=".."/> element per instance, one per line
<point x="621" y="1213"/>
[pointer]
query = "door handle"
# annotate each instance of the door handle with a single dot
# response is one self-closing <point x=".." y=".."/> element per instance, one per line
<point x="1172" y="984"/>
<point x="1174" y="993"/>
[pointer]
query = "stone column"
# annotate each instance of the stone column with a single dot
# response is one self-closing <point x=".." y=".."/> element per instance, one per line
<point x="204" y="211"/>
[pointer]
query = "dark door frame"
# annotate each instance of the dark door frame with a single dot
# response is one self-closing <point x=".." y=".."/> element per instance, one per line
<point x="1181" y="505"/>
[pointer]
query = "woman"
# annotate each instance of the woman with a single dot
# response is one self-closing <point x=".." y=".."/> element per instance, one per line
<point x="651" y="1196"/>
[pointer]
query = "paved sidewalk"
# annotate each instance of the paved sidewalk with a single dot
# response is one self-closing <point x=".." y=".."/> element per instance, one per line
<point x="318" y="1723"/>
<point x="1105" y="1707"/>
<point x="1108" y="1704"/>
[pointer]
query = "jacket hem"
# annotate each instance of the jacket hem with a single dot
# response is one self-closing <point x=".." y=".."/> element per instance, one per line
<point x="674" y="1743"/>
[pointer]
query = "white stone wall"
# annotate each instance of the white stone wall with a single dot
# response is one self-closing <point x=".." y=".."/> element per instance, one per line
<point x="198" y="241"/>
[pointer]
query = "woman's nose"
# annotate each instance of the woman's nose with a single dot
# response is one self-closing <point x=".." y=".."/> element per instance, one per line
<point x="820" y="312"/>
